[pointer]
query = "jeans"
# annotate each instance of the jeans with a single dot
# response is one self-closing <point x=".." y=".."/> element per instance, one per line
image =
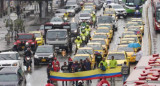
<point x="124" y="77"/>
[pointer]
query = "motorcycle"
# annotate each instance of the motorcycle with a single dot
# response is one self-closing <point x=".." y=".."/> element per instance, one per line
<point x="28" y="62"/>
<point x="137" y="13"/>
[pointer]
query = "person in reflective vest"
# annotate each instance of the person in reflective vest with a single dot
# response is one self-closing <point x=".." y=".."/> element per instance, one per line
<point x="113" y="63"/>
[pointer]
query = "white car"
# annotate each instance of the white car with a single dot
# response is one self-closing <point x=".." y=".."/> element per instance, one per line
<point x="9" y="56"/>
<point x="120" y="11"/>
<point x="57" y="21"/>
<point x="85" y="16"/>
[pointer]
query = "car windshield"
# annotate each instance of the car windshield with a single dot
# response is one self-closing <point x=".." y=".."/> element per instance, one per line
<point x="117" y="6"/>
<point x="133" y="2"/>
<point x="86" y="11"/>
<point x="95" y="46"/>
<point x="71" y="3"/>
<point x="125" y="48"/>
<point x="109" y="26"/>
<point x="84" y="15"/>
<point x="133" y="29"/>
<point x="9" y="56"/>
<point x="102" y="31"/>
<point x="104" y="19"/>
<point x="100" y="36"/>
<point x="117" y="56"/>
<point x="37" y="35"/>
<point x="56" y="34"/>
<point x="8" y="78"/>
<point x="44" y="49"/>
<point x="78" y="58"/>
<point x="73" y="26"/>
<point x="46" y="27"/>
<point x="56" y="19"/>
<point x="158" y="15"/>
<point x="136" y="38"/>
<point x="131" y="24"/>
<point x="25" y="36"/>
<point x="109" y="12"/>
<point x="127" y="34"/>
<point x="85" y="51"/>
<point x="99" y="41"/>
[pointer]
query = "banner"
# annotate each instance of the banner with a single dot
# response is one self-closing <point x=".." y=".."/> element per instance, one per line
<point x="85" y="75"/>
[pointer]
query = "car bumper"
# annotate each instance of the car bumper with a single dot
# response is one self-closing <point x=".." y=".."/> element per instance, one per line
<point x="121" y="14"/>
<point x="42" y="60"/>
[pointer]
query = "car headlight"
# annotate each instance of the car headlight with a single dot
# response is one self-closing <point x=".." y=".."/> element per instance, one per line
<point x="50" y="56"/>
<point x="35" y="56"/>
<point x="75" y="31"/>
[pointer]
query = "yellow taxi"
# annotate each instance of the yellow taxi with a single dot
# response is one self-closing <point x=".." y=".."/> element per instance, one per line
<point x="130" y="52"/>
<point x="78" y="57"/>
<point x="127" y="41"/>
<point x="86" y="50"/>
<point x="138" y="40"/>
<point x="131" y="33"/>
<point x="101" y="35"/>
<point x="104" y="43"/>
<point x="120" y="56"/>
<point x="105" y="30"/>
<point x="129" y="24"/>
<point x="110" y="12"/>
<point x="105" y="26"/>
<point x="97" y="47"/>
<point x="136" y="29"/>
<point x="39" y="37"/>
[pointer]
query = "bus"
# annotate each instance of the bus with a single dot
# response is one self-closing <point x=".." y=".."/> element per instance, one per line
<point x="156" y="14"/>
<point x="131" y="4"/>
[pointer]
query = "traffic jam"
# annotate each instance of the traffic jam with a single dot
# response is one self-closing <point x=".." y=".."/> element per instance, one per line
<point x="86" y="43"/>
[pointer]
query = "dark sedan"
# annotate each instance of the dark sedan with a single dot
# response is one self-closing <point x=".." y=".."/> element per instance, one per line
<point x="74" y="29"/>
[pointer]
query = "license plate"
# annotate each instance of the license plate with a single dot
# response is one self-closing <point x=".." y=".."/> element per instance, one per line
<point x="43" y="60"/>
<point x="56" y="47"/>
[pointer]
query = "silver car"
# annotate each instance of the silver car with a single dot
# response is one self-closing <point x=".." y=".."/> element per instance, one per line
<point x="85" y="16"/>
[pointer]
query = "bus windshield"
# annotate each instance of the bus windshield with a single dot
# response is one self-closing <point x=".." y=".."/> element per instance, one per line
<point x="158" y="15"/>
<point x="133" y="2"/>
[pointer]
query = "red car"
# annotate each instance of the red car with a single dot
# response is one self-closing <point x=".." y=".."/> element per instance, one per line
<point x="22" y="39"/>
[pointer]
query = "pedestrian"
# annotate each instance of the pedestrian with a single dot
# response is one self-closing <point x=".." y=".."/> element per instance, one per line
<point x="65" y="69"/>
<point x="104" y="63"/>
<point x="83" y="67"/>
<point x="125" y="71"/>
<point x="102" y="67"/>
<point x="49" y="68"/>
<point x="113" y="63"/>
<point x="73" y="71"/>
<point x="56" y="65"/>
<point x="138" y="55"/>
<point x="76" y="66"/>
<point x="88" y="67"/>
<point x="49" y="83"/>
<point x="98" y="58"/>
<point x="70" y="63"/>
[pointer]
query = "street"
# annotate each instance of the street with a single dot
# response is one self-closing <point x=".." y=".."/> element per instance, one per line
<point x="38" y="74"/>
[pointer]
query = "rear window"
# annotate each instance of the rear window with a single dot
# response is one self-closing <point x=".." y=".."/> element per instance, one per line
<point x="116" y="56"/>
<point x="24" y="36"/>
<point x="84" y="15"/>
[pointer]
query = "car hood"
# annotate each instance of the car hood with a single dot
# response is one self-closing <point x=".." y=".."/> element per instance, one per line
<point x="43" y="54"/>
<point x="59" y="14"/>
<point x="8" y="83"/>
<point x="121" y="9"/>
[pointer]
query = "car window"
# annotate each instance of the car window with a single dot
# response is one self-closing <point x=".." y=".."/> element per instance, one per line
<point x="100" y="36"/>
<point x="8" y="77"/>
<point x="78" y="58"/>
<point x="85" y="51"/>
<point x="105" y="19"/>
<point x="84" y="15"/>
<point x="117" y="6"/>
<point x="24" y="36"/>
<point x="109" y="26"/>
<point x="102" y="31"/>
<point x="99" y="41"/>
<point x="56" y="34"/>
<point x="37" y="35"/>
<point x="44" y="49"/>
<point x="71" y="3"/>
<point x="116" y="56"/>
<point x="95" y="46"/>
<point x="9" y="57"/>
<point x="126" y="48"/>
<point x="56" y="19"/>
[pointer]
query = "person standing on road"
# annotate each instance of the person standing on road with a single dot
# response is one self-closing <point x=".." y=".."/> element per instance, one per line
<point x="49" y="83"/>
<point x="125" y="71"/>
<point x="65" y="69"/>
<point x="98" y="58"/>
<point x="113" y="63"/>
<point x="138" y="55"/>
<point x="49" y="68"/>
<point x="104" y="63"/>
<point x="88" y="67"/>
<point x="56" y="65"/>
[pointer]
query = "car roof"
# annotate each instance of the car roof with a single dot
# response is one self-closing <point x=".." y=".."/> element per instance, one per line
<point x="7" y="70"/>
<point x="35" y="32"/>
